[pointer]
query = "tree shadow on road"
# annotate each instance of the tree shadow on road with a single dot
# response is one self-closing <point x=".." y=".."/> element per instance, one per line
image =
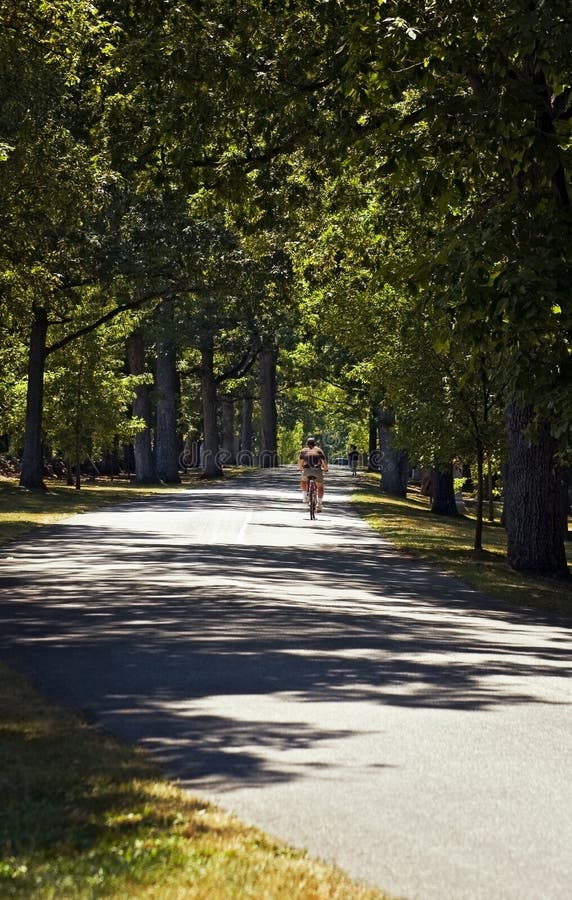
<point x="140" y="629"/>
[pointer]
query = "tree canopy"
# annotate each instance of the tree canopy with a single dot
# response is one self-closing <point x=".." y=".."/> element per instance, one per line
<point x="370" y="199"/>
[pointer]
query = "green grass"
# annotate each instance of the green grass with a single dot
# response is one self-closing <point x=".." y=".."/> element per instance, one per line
<point x="447" y="542"/>
<point x="83" y="816"/>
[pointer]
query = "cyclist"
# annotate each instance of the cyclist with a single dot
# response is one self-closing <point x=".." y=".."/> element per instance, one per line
<point x="312" y="461"/>
<point x="353" y="457"/>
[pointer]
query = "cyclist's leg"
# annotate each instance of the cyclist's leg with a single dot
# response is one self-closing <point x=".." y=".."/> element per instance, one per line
<point x="312" y="496"/>
<point x="320" y="485"/>
<point x="304" y="486"/>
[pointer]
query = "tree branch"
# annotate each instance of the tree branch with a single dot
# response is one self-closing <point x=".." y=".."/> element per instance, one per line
<point x="241" y="368"/>
<point x="137" y="303"/>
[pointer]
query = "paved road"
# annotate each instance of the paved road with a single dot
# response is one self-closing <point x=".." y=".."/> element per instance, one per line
<point x="309" y="679"/>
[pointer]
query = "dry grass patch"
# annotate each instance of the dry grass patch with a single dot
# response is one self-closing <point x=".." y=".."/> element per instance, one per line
<point x="448" y="542"/>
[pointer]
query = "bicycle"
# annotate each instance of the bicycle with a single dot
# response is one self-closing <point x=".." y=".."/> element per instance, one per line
<point x="312" y="495"/>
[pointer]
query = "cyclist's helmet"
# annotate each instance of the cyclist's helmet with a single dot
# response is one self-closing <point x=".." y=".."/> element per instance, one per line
<point x="310" y="441"/>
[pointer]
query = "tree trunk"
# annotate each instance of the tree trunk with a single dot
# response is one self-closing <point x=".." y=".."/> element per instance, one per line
<point x="228" y="437"/>
<point x="478" y="541"/>
<point x="167" y="392"/>
<point x="394" y="463"/>
<point x="534" y="510"/>
<point x="443" y="492"/>
<point x="565" y="483"/>
<point x="372" y="449"/>
<point x="109" y="462"/>
<point x="142" y="447"/>
<point x="269" y="429"/>
<point x="191" y="454"/>
<point x="78" y="420"/>
<point x="490" y="490"/>
<point x="504" y="476"/>
<point x="210" y="457"/>
<point x="32" y="470"/>
<point x="246" y="433"/>
<point x="426" y="489"/>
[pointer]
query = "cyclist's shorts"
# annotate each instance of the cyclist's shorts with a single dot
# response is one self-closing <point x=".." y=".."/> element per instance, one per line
<point x="315" y="473"/>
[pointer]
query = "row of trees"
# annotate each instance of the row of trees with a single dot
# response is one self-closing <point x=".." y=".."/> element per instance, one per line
<point x="366" y="203"/>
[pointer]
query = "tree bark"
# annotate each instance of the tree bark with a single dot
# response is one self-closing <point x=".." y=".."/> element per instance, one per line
<point x="394" y="463"/>
<point x="78" y="421"/>
<point x="372" y="449"/>
<point x="269" y="425"/>
<point x="167" y="391"/>
<point x="109" y="462"/>
<point x="142" y="446"/>
<point x="478" y="540"/>
<point x="228" y="436"/>
<point x="534" y="517"/>
<point x="210" y="456"/>
<point x="246" y="433"/>
<point x="32" y="469"/>
<point x="443" y="492"/>
<point x="191" y="454"/>
<point x="490" y="490"/>
<point x="565" y="483"/>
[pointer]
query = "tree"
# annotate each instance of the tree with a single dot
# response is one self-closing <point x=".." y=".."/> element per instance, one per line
<point x="475" y="104"/>
<point x="145" y="469"/>
<point x="269" y="429"/>
<point x="422" y="151"/>
<point x="52" y="184"/>
<point x="394" y="462"/>
<point x="86" y="400"/>
<point x="167" y="442"/>
<point x="540" y="499"/>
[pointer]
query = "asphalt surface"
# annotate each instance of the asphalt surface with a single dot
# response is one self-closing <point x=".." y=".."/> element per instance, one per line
<point x="306" y="677"/>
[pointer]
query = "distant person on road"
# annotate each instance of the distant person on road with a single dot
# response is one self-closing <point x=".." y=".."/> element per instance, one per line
<point x="353" y="457"/>
<point x="312" y="461"/>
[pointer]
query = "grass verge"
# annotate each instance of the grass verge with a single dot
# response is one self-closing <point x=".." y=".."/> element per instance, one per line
<point x="84" y="816"/>
<point x="447" y="542"/>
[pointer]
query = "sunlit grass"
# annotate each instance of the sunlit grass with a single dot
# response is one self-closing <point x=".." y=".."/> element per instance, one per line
<point x="84" y="816"/>
<point x="448" y="542"/>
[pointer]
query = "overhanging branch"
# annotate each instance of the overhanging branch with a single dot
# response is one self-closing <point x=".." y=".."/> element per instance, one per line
<point x="136" y="303"/>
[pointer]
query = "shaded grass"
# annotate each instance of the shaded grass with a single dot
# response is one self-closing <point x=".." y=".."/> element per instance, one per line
<point x="84" y="816"/>
<point x="448" y="542"/>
